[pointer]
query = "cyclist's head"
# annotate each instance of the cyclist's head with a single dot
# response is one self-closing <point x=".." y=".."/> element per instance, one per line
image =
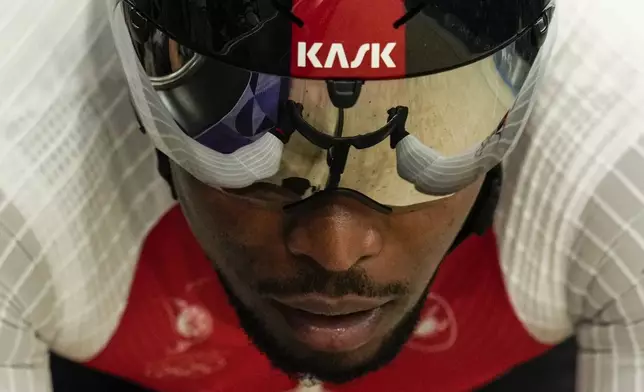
<point x="328" y="153"/>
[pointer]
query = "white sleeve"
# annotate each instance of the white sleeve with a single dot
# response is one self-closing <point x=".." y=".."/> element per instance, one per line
<point x="42" y="43"/>
<point x="607" y="280"/>
<point x="24" y="358"/>
<point x="572" y="222"/>
<point x="79" y="188"/>
<point x="606" y="276"/>
<point x="611" y="330"/>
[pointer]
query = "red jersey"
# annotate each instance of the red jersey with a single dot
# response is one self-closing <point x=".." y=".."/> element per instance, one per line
<point x="468" y="333"/>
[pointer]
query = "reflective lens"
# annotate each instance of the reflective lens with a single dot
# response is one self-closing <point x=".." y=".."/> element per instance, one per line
<point x="281" y="139"/>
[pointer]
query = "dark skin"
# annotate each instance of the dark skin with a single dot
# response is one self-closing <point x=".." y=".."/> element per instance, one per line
<point x="334" y="246"/>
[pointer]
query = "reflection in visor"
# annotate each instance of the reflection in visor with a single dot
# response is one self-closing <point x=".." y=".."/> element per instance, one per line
<point x="398" y="142"/>
<point x="338" y="146"/>
<point x="448" y="130"/>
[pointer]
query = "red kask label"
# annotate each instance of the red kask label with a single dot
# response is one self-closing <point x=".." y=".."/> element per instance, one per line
<point x="348" y="39"/>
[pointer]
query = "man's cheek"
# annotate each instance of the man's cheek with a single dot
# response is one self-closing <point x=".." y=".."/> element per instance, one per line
<point x="247" y="262"/>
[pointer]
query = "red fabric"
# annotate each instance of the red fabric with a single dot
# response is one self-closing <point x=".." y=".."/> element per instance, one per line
<point x="178" y="333"/>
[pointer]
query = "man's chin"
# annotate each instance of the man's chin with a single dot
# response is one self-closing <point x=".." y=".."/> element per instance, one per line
<point x="335" y="368"/>
<point x="329" y="367"/>
<point x="342" y="367"/>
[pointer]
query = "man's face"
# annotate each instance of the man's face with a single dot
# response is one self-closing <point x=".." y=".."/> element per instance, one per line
<point x="331" y="288"/>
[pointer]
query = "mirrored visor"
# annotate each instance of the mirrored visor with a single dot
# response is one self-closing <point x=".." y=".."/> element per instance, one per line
<point x="399" y="142"/>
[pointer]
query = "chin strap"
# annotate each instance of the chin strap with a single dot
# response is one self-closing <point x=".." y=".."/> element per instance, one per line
<point x="481" y="216"/>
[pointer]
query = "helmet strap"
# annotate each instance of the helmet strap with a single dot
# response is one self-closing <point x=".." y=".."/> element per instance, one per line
<point x="481" y="216"/>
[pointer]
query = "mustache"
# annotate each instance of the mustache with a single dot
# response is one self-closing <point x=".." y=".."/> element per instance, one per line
<point x="331" y="284"/>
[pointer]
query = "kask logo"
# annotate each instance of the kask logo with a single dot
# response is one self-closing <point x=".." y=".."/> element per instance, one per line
<point x="307" y="55"/>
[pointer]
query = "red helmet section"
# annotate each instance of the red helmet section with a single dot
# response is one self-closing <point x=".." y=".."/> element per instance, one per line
<point x="348" y="39"/>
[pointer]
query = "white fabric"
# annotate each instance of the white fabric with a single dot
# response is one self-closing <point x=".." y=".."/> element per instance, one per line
<point x="79" y="190"/>
<point x="78" y="186"/>
<point x="571" y="220"/>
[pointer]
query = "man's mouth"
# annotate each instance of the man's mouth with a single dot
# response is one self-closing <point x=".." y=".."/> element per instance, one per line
<point x="332" y="324"/>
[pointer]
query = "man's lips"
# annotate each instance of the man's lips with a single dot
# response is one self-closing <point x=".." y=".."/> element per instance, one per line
<point x="328" y="306"/>
<point x="332" y="324"/>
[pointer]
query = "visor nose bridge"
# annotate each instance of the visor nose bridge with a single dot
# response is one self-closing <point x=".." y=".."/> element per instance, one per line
<point x="335" y="236"/>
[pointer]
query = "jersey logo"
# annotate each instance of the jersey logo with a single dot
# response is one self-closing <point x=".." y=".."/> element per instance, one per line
<point x="437" y="329"/>
<point x="308" y="55"/>
<point x="188" y="356"/>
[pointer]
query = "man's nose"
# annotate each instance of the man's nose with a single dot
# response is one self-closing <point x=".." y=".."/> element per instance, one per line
<point x="334" y="236"/>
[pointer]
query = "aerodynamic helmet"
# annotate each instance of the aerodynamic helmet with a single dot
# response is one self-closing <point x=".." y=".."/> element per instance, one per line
<point x="396" y="102"/>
